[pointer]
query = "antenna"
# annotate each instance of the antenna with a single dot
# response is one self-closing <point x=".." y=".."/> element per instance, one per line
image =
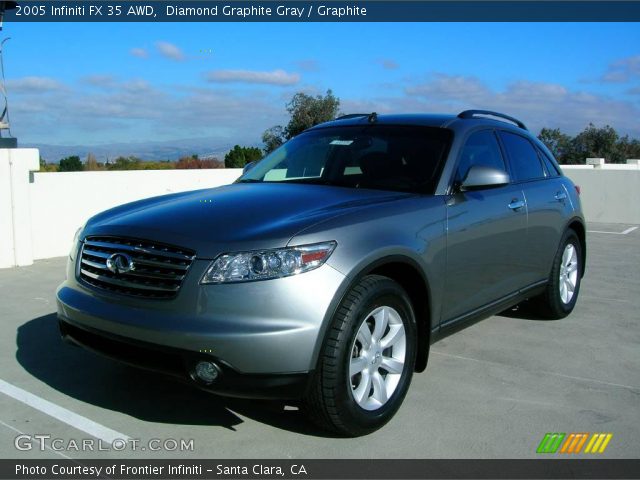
<point x="9" y="142"/>
<point x="4" y="116"/>
<point x="4" y="6"/>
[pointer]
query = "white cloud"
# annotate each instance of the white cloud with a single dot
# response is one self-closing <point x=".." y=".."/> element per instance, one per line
<point x="450" y="87"/>
<point x="275" y="77"/>
<point x="307" y="65"/>
<point x="139" y="52"/>
<point x="26" y="85"/>
<point x="98" y="80"/>
<point x="136" y="85"/>
<point x="136" y="110"/>
<point x="388" y="64"/>
<point x="537" y="104"/>
<point x="615" y="76"/>
<point x="623" y="70"/>
<point x="170" y="51"/>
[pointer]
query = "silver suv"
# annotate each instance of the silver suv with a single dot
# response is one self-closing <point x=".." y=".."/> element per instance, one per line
<point x="324" y="273"/>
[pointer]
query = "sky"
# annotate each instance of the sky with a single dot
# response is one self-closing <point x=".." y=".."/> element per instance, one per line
<point x="102" y="83"/>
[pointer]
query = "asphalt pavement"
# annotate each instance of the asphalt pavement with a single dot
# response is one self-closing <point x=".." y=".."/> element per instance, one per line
<point x="492" y="390"/>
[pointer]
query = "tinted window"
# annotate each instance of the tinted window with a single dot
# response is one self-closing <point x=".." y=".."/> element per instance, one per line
<point x="524" y="161"/>
<point x="380" y="157"/>
<point x="482" y="149"/>
<point x="551" y="168"/>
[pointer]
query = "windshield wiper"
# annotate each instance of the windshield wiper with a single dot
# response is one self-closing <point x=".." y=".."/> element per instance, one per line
<point x="307" y="181"/>
<point x="248" y="180"/>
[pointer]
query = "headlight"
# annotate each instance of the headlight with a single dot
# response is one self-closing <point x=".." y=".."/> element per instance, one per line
<point x="267" y="264"/>
<point x="74" y="244"/>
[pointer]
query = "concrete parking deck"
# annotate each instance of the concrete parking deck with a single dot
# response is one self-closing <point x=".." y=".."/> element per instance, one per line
<point x="491" y="391"/>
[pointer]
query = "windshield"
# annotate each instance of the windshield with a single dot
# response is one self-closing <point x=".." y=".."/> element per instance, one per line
<point x="383" y="157"/>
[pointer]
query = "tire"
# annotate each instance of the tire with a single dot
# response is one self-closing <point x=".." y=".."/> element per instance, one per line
<point x="354" y="405"/>
<point x="558" y="301"/>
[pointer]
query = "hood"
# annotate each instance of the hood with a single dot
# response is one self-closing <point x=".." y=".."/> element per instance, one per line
<point x="234" y="217"/>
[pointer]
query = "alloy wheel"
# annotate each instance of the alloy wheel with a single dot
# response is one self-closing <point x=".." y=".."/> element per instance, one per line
<point x="377" y="358"/>
<point x="568" y="273"/>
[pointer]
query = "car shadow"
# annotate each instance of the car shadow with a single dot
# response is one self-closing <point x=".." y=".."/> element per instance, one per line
<point x="523" y="311"/>
<point x="148" y="396"/>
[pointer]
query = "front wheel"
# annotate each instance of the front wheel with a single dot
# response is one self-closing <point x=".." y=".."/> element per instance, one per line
<point x="563" y="285"/>
<point x="367" y="361"/>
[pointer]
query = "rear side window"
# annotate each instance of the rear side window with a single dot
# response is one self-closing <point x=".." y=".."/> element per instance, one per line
<point x="481" y="149"/>
<point x="524" y="161"/>
<point x="551" y="168"/>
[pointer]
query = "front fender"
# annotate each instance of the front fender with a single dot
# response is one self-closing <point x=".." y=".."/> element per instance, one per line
<point x="411" y="231"/>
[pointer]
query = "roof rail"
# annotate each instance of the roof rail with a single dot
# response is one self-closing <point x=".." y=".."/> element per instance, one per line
<point x="353" y="115"/>
<point x="475" y="113"/>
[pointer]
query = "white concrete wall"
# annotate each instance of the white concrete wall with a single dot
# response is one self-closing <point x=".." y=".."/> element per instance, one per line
<point x="62" y="202"/>
<point x="15" y="223"/>
<point x="610" y="192"/>
<point x="40" y="212"/>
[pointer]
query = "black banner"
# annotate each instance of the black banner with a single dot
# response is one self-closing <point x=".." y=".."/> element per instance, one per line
<point x="325" y="11"/>
<point x="319" y="469"/>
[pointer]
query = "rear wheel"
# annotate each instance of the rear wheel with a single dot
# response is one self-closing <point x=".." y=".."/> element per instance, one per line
<point x="563" y="286"/>
<point x="367" y="361"/>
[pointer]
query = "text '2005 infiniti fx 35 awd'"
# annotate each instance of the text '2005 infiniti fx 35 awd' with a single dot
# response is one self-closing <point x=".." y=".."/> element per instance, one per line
<point x="324" y="273"/>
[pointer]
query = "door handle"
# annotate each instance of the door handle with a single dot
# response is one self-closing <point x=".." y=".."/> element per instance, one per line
<point x="560" y="196"/>
<point x="516" y="204"/>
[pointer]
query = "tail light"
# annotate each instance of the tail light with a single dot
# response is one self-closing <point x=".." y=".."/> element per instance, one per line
<point x="577" y="189"/>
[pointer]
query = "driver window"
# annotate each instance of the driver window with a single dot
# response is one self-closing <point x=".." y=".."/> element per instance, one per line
<point x="481" y="149"/>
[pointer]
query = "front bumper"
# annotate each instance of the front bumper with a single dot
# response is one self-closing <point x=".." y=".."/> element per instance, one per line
<point x="270" y="327"/>
<point x="180" y="364"/>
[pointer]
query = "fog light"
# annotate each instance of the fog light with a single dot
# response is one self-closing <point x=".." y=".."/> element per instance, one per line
<point x="207" y="372"/>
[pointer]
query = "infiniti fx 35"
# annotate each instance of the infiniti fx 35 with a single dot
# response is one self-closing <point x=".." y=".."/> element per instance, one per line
<point x="325" y="272"/>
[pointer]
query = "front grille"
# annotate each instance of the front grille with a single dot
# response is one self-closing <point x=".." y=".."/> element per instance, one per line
<point x="158" y="269"/>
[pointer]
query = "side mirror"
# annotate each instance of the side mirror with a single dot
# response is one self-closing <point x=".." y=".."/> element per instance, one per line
<point x="484" y="177"/>
<point x="249" y="166"/>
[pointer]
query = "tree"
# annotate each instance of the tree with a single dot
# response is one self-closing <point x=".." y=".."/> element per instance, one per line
<point x="70" y="164"/>
<point x="239" y="156"/>
<point x="47" y="167"/>
<point x="592" y="142"/>
<point x="629" y="148"/>
<point x="91" y="164"/>
<point x="595" y="142"/>
<point x="193" y="162"/>
<point x="272" y="138"/>
<point x="557" y="142"/>
<point x="125" y="163"/>
<point x="306" y="111"/>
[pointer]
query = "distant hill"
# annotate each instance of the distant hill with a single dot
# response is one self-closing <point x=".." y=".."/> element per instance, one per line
<point x="165" y="150"/>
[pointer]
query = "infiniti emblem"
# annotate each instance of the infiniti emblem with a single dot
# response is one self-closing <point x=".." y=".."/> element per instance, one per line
<point x="376" y="358"/>
<point x="120" y="263"/>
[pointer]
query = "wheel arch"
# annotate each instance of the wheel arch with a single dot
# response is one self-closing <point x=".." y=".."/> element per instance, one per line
<point x="408" y="273"/>
<point x="577" y="225"/>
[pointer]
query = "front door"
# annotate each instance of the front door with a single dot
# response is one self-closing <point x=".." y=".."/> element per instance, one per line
<point x="486" y="235"/>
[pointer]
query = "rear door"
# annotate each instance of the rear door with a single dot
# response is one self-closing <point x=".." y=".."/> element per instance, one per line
<point x="548" y="202"/>
<point x="486" y="232"/>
